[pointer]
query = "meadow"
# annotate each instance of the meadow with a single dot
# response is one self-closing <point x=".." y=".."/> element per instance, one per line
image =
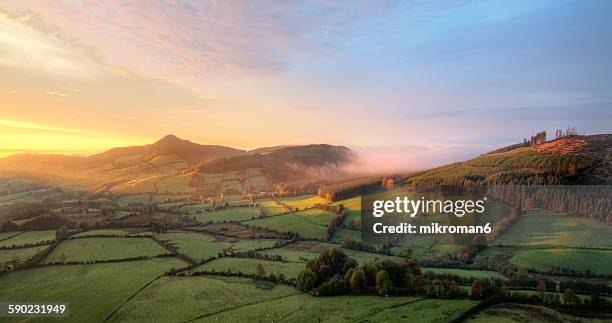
<point x="91" y="249"/>
<point x="303" y="201"/>
<point x="229" y="214"/>
<point x="111" y="232"/>
<point x="551" y="229"/>
<point x="270" y="207"/>
<point x="29" y="237"/>
<point x="544" y="258"/>
<point x="7" y="255"/>
<point x="248" y="266"/>
<point x="93" y="291"/>
<point x="200" y="246"/>
<point x="310" y="224"/>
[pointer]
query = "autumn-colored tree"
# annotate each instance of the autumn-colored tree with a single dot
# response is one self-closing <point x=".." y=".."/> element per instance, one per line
<point x="383" y="283"/>
<point x="260" y="271"/>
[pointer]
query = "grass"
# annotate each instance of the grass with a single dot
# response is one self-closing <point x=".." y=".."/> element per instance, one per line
<point x="476" y="274"/>
<point x="307" y="308"/>
<point x="8" y="255"/>
<point x="178" y="299"/>
<point x="303" y="251"/>
<point x="514" y="313"/>
<point x="109" y="232"/>
<point x="550" y="229"/>
<point x="93" y="291"/>
<point x="310" y="224"/>
<point x="249" y="266"/>
<point x="29" y="237"/>
<point x="202" y="246"/>
<point x="597" y="261"/>
<point x="272" y="208"/>
<point x="230" y="214"/>
<point x="6" y="235"/>
<point x="303" y="201"/>
<point x="174" y="184"/>
<point x="89" y="249"/>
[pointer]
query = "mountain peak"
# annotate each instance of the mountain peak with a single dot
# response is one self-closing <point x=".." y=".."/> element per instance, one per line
<point x="169" y="138"/>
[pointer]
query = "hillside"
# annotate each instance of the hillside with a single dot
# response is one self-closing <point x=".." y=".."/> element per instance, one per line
<point x="568" y="160"/>
<point x="167" y="166"/>
<point x="283" y="164"/>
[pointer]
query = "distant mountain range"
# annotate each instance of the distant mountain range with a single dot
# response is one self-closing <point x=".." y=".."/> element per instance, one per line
<point x="137" y="169"/>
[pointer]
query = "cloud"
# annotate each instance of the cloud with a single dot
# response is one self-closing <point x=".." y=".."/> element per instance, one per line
<point x="56" y="93"/>
<point x="196" y="42"/>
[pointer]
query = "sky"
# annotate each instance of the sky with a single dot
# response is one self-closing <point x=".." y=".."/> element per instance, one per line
<point x="416" y="83"/>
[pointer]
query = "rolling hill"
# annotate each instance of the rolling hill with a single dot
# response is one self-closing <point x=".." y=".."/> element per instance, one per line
<point x="567" y="160"/>
<point x="176" y="166"/>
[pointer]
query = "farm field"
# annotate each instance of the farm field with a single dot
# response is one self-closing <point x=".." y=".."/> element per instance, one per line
<point x="7" y="255"/>
<point x="550" y="229"/>
<point x="90" y="249"/>
<point x="93" y="291"/>
<point x="303" y="201"/>
<point x="249" y="266"/>
<point x="303" y="251"/>
<point x="310" y="224"/>
<point x="270" y="207"/>
<point x="6" y="235"/>
<point x="308" y="308"/>
<point x="179" y="299"/>
<point x="514" y="313"/>
<point x="595" y="260"/>
<point x="110" y="232"/>
<point x="230" y="214"/>
<point x="201" y="246"/>
<point x="477" y="274"/>
<point x="29" y="237"/>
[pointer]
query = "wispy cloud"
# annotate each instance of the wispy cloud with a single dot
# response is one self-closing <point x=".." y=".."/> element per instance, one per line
<point x="195" y="42"/>
<point x="56" y="93"/>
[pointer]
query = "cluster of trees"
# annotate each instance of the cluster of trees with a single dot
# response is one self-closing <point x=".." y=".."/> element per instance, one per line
<point x="335" y="222"/>
<point x="348" y="189"/>
<point x="334" y="273"/>
<point x="43" y="222"/>
<point x="252" y="254"/>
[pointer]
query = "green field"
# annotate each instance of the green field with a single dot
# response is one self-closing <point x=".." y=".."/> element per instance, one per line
<point x="89" y="249"/>
<point x="302" y="251"/>
<point x="597" y="261"/>
<point x="6" y="235"/>
<point x="21" y="254"/>
<point x="249" y="266"/>
<point x="515" y="313"/>
<point x="110" y="232"/>
<point x="201" y="246"/>
<point x="29" y="237"/>
<point x="476" y="274"/>
<point x="303" y="201"/>
<point x="179" y="299"/>
<point x="93" y="291"/>
<point x="31" y="197"/>
<point x="550" y="229"/>
<point x="272" y="208"/>
<point x="310" y="224"/>
<point x="230" y="214"/>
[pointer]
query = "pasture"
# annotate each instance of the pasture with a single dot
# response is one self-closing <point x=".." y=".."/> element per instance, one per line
<point x="249" y="266"/>
<point x="91" y="249"/>
<point x="310" y="224"/>
<point x="270" y="207"/>
<point x="29" y="237"/>
<point x="303" y="201"/>
<point x="7" y="255"/>
<point x="200" y="246"/>
<point x="541" y="228"/>
<point x="229" y="214"/>
<point x="93" y="291"/>
<point x="178" y="299"/>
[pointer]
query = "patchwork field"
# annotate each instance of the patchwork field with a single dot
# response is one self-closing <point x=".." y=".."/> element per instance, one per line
<point x="20" y="254"/>
<point x="310" y="224"/>
<point x="90" y="249"/>
<point x="93" y="291"/>
<point x="550" y="229"/>
<point x="476" y="274"/>
<point x="249" y="266"/>
<point x="270" y="207"/>
<point x="111" y="232"/>
<point x="302" y="251"/>
<point x="29" y="237"/>
<point x="303" y="201"/>
<point x="179" y="299"/>
<point x="201" y="246"/>
<point x="594" y="260"/>
<point x="230" y="214"/>
<point x="6" y="235"/>
<point x="515" y="313"/>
